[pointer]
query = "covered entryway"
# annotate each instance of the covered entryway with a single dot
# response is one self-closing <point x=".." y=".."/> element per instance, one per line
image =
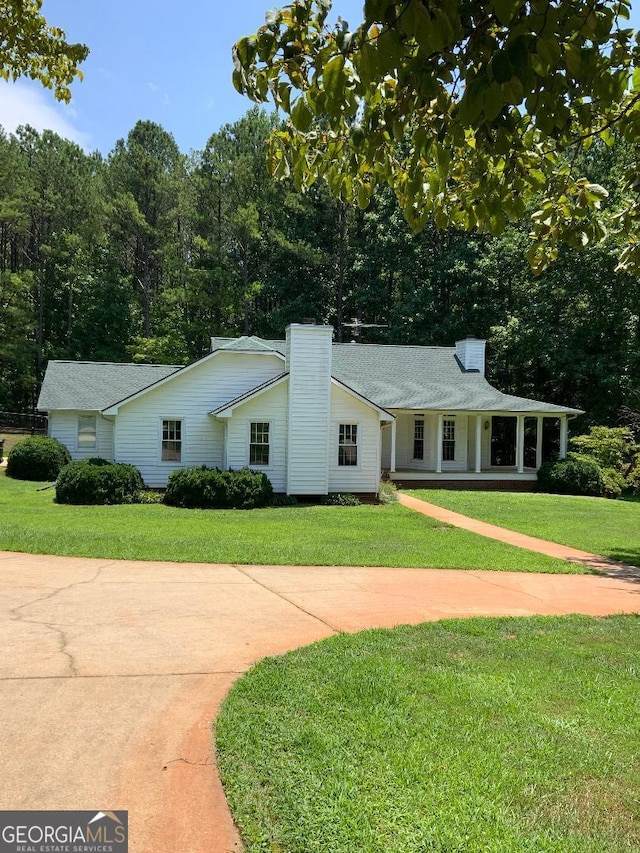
<point x="483" y="446"/>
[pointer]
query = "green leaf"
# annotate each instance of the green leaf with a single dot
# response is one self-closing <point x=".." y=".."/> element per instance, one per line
<point x="573" y="60"/>
<point x="596" y="191"/>
<point x="505" y="10"/>
<point x="493" y="102"/>
<point x="367" y="63"/>
<point x="501" y="67"/>
<point x="333" y="78"/>
<point x="301" y="116"/>
<point x="390" y="50"/>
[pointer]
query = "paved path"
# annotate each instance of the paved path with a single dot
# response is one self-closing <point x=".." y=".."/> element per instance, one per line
<point x="112" y="671"/>
<point x="520" y="540"/>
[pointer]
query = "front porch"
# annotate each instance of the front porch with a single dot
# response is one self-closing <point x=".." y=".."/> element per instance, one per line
<point x="506" y="478"/>
<point x="458" y="449"/>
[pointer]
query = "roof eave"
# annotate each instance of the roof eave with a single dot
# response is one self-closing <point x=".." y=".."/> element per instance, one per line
<point x="226" y="411"/>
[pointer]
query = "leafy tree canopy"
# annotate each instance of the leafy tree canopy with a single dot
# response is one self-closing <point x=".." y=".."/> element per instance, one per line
<point x="467" y="108"/>
<point x="29" y="46"/>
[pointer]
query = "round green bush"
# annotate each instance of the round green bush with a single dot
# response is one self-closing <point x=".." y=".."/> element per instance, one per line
<point x="98" y="481"/>
<point x="576" y="475"/>
<point x="37" y="458"/>
<point x="210" y="488"/>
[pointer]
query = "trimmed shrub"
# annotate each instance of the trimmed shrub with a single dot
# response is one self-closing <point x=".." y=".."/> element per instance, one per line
<point x="37" y="458"/>
<point x="210" y="488"/>
<point x="576" y="475"/>
<point x="98" y="481"/>
<point x="247" y="489"/>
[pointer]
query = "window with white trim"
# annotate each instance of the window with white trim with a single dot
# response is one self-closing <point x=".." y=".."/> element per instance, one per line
<point x="259" y="443"/>
<point x="171" y="441"/>
<point x="348" y="444"/>
<point x="448" y="440"/>
<point x="87" y="434"/>
<point x="418" y="438"/>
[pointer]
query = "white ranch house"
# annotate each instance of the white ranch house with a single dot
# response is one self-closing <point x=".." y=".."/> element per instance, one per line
<point x="314" y="415"/>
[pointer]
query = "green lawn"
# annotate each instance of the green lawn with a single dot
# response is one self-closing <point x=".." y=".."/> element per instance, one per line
<point x="462" y="736"/>
<point x="388" y="535"/>
<point x="606" y="527"/>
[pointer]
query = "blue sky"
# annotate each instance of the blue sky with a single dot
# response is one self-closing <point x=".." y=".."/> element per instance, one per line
<point x="150" y="59"/>
<point x="161" y="60"/>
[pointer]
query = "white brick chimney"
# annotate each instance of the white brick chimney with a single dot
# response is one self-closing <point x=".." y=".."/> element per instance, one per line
<point x="308" y="360"/>
<point x="470" y="353"/>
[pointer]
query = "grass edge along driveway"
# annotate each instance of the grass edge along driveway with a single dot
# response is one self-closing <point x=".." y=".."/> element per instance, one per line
<point x="605" y="527"/>
<point x="385" y="535"/>
<point x="501" y="735"/>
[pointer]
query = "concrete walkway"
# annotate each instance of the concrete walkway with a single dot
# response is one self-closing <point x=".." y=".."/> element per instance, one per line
<point x="520" y="540"/>
<point x="113" y="671"/>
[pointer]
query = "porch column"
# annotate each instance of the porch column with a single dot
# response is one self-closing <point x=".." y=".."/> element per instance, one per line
<point x="520" y="443"/>
<point x="564" y="435"/>
<point x="539" y="442"/>
<point x="439" y="446"/>
<point x="478" y="443"/>
<point x="394" y="424"/>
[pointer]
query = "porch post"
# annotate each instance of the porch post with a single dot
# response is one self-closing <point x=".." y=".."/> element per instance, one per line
<point x="564" y="435"/>
<point x="439" y="446"/>
<point x="394" y="424"/>
<point x="520" y="443"/>
<point x="539" y="442"/>
<point x="478" y="443"/>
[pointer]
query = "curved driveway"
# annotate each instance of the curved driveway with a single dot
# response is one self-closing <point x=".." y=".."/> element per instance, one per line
<point x="112" y="671"/>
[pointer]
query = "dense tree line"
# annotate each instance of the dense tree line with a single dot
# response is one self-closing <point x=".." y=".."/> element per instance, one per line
<point x="145" y="253"/>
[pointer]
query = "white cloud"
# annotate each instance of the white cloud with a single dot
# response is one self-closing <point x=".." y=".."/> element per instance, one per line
<point x="26" y="103"/>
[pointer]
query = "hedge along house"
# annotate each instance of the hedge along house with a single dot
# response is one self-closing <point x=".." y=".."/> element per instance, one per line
<point x="315" y="416"/>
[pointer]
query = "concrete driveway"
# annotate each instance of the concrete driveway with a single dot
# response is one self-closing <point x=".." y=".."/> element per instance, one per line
<point x="112" y="671"/>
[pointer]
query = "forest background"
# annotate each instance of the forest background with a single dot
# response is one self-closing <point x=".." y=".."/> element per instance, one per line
<point x="142" y="255"/>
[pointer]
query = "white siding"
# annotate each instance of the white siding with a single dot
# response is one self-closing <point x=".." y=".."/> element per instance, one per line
<point x="189" y="397"/>
<point x="63" y="425"/>
<point x="365" y="477"/>
<point x="309" y="364"/>
<point x="404" y="441"/>
<point x="269" y="407"/>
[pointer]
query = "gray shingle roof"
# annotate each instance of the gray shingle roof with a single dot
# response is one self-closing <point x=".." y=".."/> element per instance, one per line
<point x="392" y="377"/>
<point x="95" y="385"/>
<point x="415" y="377"/>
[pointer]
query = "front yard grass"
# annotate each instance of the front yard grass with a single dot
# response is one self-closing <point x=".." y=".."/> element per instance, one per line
<point x="605" y="527"/>
<point x="390" y="535"/>
<point x="462" y="736"/>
